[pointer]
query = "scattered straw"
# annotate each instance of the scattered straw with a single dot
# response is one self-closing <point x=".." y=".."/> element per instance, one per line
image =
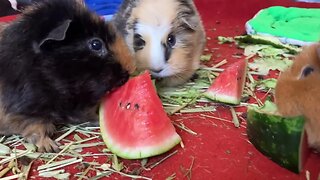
<point x="235" y="119"/>
<point x="162" y="160"/>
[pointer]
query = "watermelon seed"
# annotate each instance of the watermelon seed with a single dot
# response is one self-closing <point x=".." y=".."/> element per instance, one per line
<point x="120" y="104"/>
<point x="128" y="106"/>
<point x="136" y="106"/>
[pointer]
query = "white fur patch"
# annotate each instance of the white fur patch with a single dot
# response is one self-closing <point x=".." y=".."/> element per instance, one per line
<point x="154" y="24"/>
<point x="13" y="4"/>
<point x="166" y="72"/>
<point x="155" y="34"/>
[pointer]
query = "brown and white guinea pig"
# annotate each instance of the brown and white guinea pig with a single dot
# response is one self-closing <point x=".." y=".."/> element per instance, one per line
<point x="57" y="60"/>
<point x="165" y="36"/>
<point x="298" y="91"/>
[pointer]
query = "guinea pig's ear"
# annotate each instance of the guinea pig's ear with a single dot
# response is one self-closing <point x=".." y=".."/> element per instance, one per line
<point x="192" y="22"/>
<point x="56" y="34"/>
<point x="81" y="2"/>
<point x="306" y="71"/>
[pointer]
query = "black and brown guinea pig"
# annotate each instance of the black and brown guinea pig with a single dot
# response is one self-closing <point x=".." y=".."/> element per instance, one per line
<point x="298" y="91"/>
<point x="166" y="37"/>
<point x="57" y="60"/>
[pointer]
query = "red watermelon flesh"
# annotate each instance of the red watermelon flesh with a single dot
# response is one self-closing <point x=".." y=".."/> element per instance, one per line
<point x="133" y="122"/>
<point x="228" y="86"/>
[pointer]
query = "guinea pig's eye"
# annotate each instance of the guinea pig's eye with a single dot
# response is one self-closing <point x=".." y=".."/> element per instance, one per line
<point x="138" y="42"/>
<point x="306" y="71"/>
<point x="171" y="41"/>
<point x="96" y="44"/>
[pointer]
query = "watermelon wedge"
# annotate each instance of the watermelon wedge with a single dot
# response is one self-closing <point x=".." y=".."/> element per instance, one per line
<point x="281" y="139"/>
<point x="133" y="122"/>
<point x="228" y="86"/>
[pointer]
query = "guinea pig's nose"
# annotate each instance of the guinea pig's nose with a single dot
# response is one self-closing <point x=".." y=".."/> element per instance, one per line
<point x="156" y="70"/>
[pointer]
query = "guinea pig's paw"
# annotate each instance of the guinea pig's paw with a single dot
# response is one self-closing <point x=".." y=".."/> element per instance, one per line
<point x="46" y="144"/>
<point x="43" y="143"/>
<point x="38" y="134"/>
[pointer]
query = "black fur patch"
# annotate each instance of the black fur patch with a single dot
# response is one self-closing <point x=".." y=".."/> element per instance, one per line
<point x="167" y="52"/>
<point x="62" y="79"/>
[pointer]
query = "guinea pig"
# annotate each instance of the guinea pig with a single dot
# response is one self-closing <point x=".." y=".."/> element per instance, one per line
<point x="2" y="26"/>
<point x="166" y="37"/>
<point x="298" y="91"/>
<point x="57" y="60"/>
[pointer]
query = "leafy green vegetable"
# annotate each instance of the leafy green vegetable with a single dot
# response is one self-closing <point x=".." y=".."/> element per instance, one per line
<point x="264" y="51"/>
<point x="264" y="65"/>
<point x="251" y="50"/>
<point x="267" y="84"/>
<point x="205" y="58"/>
<point x="267" y="40"/>
<point x="269" y="51"/>
<point x="223" y="40"/>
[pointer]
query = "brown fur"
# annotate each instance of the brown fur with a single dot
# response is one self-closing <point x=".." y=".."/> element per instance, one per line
<point x="2" y="26"/>
<point x="122" y="53"/>
<point x="38" y="132"/>
<point x="300" y="96"/>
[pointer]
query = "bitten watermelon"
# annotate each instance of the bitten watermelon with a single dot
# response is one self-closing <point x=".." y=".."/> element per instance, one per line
<point x="228" y="86"/>
<point x="281" y="139"/>
<point x="133" y="122"/>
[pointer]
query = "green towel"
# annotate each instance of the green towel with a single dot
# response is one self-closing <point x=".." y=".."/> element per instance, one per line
<point x="299" y="26"/>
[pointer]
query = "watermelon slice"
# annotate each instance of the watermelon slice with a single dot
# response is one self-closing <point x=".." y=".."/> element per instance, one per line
<point x="228" y="86"/>
<point x="133" y="122"/>
<point x="281" y="139"/>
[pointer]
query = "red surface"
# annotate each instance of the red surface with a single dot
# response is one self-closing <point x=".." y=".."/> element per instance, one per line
<point x="219" y="150"/>
<point x="7" y="18"/>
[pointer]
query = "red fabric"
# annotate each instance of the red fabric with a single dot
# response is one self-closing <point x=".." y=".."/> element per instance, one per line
<point x="7" y="18"/>
<point x="221" y="151"/>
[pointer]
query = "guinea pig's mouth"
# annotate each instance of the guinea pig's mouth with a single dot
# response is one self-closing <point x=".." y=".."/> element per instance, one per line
<point x="125" y="77"/>
<point x="161" y="74"/>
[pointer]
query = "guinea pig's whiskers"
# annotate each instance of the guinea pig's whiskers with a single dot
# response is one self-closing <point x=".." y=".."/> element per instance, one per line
<point x="179" y="77"/>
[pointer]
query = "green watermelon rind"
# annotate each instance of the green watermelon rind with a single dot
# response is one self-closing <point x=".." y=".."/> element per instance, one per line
<point x="221" y="98"/>
<point x="279" y="138"/>
<point x="138" y="152"/>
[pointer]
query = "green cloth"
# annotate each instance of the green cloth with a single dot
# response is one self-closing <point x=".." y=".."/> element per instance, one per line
<point x="293" y="23"/>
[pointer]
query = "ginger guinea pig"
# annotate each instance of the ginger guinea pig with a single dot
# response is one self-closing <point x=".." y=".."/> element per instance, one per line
<point x="57" y="60"/>
<point x="298" y="91"/>
<point x="165" y="36"/>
